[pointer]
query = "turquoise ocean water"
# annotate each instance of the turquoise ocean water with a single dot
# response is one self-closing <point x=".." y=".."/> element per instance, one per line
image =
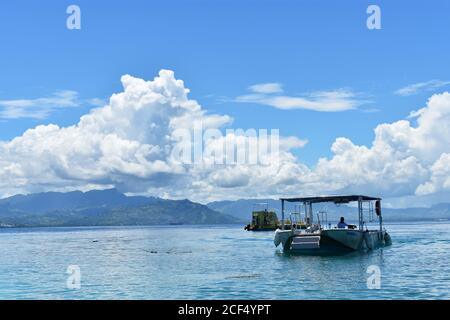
<point x="215" y="262"/>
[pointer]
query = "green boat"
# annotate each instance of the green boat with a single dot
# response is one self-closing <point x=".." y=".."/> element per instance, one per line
<point x="263" y="219"/>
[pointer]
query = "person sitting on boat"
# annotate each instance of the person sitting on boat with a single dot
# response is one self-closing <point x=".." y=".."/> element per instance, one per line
<point x="342" y="224"/>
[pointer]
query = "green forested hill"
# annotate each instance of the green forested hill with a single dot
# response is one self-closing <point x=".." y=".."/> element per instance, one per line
<point x="103" y="208"/>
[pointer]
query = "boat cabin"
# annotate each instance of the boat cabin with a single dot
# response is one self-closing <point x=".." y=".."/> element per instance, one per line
<point x="320" y="236"/>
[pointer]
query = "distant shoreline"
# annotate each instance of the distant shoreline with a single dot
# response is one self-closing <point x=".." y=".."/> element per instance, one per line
<point x="190" y="225"/>
<point x="118" y="226"/>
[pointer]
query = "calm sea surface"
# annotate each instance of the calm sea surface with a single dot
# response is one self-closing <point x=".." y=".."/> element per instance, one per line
<point x="226" y="262"/>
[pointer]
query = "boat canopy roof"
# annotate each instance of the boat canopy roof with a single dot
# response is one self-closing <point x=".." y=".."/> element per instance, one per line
<point x="335" y="199"/>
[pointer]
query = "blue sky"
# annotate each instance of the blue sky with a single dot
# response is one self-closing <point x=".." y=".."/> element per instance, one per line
<point x="221" y="48"/>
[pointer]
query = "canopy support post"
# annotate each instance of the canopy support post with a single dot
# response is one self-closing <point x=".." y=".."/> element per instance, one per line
<point x="381" y="220"/>
<point x="360" y="214"/>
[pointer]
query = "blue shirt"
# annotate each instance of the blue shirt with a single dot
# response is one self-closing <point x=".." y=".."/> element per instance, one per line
<point x="342" y="225"/>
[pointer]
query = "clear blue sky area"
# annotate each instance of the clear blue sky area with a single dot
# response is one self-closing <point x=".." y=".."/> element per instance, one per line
<point x="220" y="48"/>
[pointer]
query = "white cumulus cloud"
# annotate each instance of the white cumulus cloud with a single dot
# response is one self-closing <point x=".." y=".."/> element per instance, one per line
<point x="129" y="142"/>
<point x="404" y="159"/>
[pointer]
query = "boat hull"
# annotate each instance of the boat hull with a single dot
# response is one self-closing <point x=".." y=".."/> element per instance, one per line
<point x="333" y="241"/>
<point x="262" y="229"/>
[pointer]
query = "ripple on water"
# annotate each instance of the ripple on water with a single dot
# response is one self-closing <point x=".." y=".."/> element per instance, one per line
<point x="186" y="262"/>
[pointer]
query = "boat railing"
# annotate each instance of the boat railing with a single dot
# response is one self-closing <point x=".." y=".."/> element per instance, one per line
<point x="322" y="217"/>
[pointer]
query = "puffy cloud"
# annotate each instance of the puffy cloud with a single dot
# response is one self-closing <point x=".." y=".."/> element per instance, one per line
<point x="440" y="177"/>
<point x="403" y="160"/>
<point x="129" y="144"/>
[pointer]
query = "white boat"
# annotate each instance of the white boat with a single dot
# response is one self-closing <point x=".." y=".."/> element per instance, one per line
<point x="320" y="238"/>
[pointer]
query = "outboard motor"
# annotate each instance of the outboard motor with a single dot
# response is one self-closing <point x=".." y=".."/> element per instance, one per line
<point x="387" y="239"/>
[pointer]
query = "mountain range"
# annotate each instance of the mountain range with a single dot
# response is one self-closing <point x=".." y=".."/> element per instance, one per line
<point x="112" y="208"/>
<point x="103" y="208"/>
